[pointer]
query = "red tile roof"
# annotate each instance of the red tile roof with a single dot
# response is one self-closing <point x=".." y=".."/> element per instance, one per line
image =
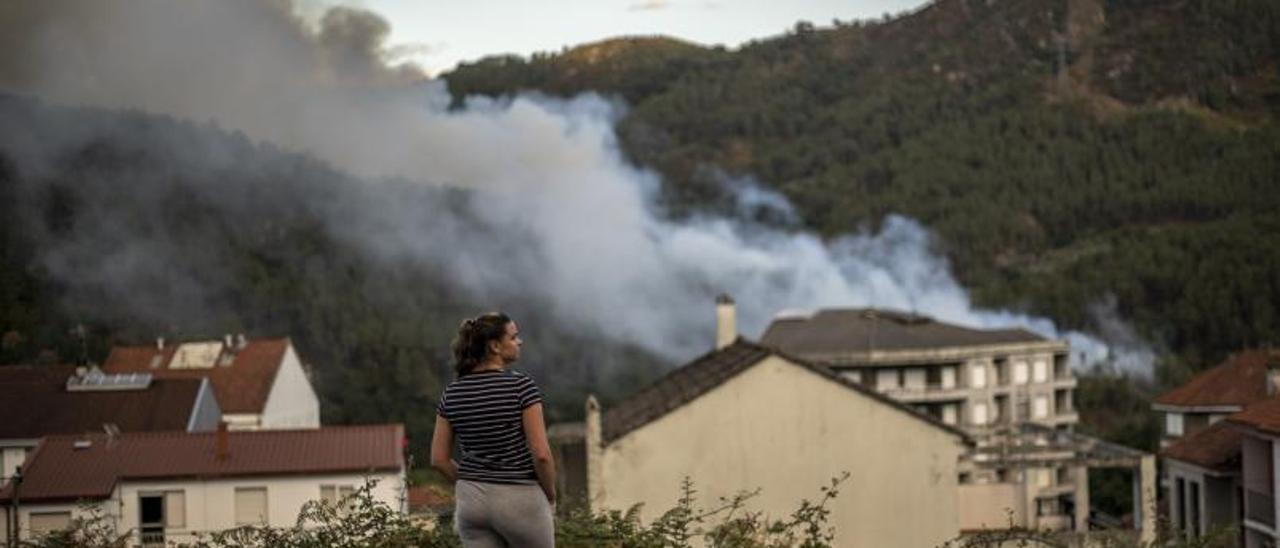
<point x="34" y="402"/>
<point x="241" y="387"/>
<point x="57" y="471"/>
<point x="1236" y="382"/>
<point x="1216" y="448"/>
<point x="1263" y="416"/>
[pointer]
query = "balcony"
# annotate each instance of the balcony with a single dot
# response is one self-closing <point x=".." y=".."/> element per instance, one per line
<point x="927" y="393"/>
<point x="1260" y="508"/>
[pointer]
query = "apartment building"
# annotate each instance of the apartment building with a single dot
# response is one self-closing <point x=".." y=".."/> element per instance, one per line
<point x="1010" y="389"/>
<point x="971" y="378"/>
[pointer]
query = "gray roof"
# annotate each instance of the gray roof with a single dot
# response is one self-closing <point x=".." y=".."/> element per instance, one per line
<point x="701" y="375"/>
<point x="861" y="330"/>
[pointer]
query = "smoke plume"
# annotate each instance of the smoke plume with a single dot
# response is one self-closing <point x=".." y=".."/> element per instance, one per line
<point x="571" y="222"/>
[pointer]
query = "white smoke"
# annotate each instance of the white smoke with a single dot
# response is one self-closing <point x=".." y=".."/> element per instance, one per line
<point x="575" y="224"/>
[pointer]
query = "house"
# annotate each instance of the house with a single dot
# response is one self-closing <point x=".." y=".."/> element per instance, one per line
<point x="260" y="383"/>
<point x="1010" y="389"/>
<point x="1259" y="425"/>
<point x="1219" y="428"/>
<point x="746" y="416"/>
<point x="1243" y="378"/>
<point x="168" y="486"/>
<point x="1202" y="478"/>
<point x="38" y="401"/>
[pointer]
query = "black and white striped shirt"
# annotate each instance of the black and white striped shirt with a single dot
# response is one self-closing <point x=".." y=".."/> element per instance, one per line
<point x="485" y="410"/>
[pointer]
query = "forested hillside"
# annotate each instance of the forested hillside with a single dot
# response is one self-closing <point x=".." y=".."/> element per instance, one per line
<point x="137" y="226"/>
<point x="1069" y="153"/>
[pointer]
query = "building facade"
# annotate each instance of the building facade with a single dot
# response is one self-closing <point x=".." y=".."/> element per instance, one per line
<point x="164" y="487"/>
<point x="745" y="417"/>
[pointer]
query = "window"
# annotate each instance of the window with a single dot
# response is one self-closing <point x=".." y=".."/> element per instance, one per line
<point x="948" y="377"/>
<point x="1001" y="408"/>
<point x="978" y="414"/>
<point x="964" y="478"/>
<point x="1039" y="371"/>
<point x="251" y="505"/>
<point x="886" y="379"/>
<point x="855" y="376"/>
<point x="1041" y="407"/>
<point x="978" y="375"/>
<point x="43" y="523"/>
<point x="949" y="413"/>
<point x="914" y="378"/>
<point x="1064" y="475"/>
<point x="1173" y="424"/>
<point x="1019" y="372"/>
<point x="333" y="493"/>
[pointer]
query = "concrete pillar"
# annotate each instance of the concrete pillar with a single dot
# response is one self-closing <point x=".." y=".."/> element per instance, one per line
<point x="1081" y="475"/>
<point x="1145" y="513"/>
<point x="726" y="321"/>
<point x="593" y="444"/>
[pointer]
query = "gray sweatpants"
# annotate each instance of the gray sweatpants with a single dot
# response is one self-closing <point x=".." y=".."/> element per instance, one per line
<point x="493" y="515"/>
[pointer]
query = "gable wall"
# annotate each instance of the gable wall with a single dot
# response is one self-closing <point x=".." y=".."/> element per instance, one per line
<point x="788" y="430"/>
<point x="292" y="403"/>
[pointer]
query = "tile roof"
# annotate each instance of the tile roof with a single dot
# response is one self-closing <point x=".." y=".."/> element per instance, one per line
<point x="1216" y="448"/>
<point x="58" y="471"/>
<point x="34" y="402"/>
<point x="1236" y="382"/>
<point x="242" y="386"/>
<point x="698" y="377"/>
<point x="856" y="330"/>
<point x="1262" y="415"/>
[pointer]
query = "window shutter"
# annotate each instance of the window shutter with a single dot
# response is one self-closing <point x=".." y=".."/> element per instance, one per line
<point x="251" y="506"/>
<point x="175" y="509"/>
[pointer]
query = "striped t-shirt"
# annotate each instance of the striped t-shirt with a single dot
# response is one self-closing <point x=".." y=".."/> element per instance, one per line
<point x="485" y="410"/>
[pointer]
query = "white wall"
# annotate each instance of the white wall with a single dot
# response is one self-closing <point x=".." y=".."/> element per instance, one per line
<point x="788" y="431"/>
<point x="292" y="403"/>
<point x="210" y="505"/>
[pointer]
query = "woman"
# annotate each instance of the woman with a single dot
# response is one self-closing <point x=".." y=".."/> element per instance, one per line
<point x="505" y="478"/>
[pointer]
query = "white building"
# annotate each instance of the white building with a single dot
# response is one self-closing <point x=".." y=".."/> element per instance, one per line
<point x="161" y="487"/>
<point x="260" y="383"/>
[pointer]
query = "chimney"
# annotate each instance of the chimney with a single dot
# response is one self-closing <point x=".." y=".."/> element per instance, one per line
<point x="241" y="341"/>
<point x="726" y="321"/>
<point x="226" y="341"/>
<point x="223" y="452"/>
<point x="159" y="343"/>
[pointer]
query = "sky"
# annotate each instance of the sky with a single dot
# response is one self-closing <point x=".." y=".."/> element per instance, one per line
<point x="437" y="35"/>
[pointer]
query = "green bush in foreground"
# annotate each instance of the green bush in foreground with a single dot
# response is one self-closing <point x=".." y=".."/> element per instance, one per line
<point x="360" y="521"/>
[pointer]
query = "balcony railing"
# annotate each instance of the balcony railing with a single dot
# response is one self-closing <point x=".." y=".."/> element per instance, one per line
<point x="1260" y="507"/>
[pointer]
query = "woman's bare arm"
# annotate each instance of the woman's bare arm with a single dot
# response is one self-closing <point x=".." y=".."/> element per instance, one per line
<point x="535" y="431"/>
<point x="442" y="449"/>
